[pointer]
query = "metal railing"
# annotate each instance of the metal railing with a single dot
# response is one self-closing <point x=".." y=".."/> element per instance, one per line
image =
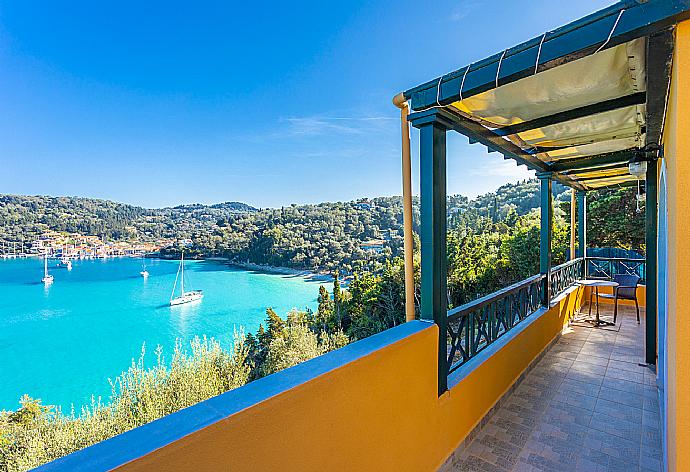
<point x="607" y="267"/>
<point x="565" y="275"/>
<point x="475" y="325"/>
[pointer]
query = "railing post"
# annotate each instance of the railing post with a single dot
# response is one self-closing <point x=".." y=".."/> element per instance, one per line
<point x="434" y="301"/>
<point x="582" y="229"/>
<point x="651" y="210"/>
<point x="545" y="234"/>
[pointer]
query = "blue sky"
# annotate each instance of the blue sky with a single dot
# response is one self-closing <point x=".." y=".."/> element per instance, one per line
<point x="160" y="103"/>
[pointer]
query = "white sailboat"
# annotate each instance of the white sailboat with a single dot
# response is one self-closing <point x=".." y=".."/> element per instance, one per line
<point x="47" y="278"/>
<point x="184" y="297"/>
<point x="66" y="263"/>
<point x="144" y="273"/>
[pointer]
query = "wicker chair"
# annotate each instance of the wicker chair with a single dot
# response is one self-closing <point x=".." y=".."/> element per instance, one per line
<point x="626" y="290"/>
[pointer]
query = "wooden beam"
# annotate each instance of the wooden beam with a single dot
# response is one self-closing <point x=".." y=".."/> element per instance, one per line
<point x="545" y="234"/>
<point x="581" y="112"/>
<point x="659" y="62"/>
<point x="576" y="173"/>
<point x="591" y="162"/>
<point x="651" y="209"/>
<point x="434" y="301"/>
<point x="601" y="177"/>
<point x="477" y="133"/>
<point x="582" y="227"/>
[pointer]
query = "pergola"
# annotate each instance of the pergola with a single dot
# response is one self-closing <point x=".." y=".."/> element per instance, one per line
<point x="578" y="105"/>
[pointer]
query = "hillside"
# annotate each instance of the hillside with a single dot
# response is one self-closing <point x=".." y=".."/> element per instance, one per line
<point x="323" y="236"/>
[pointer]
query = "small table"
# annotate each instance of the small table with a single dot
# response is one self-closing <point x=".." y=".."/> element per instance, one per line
<point x="594" y="284"/>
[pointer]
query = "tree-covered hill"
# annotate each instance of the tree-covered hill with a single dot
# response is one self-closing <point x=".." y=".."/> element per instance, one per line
<point x="326" y="236"/>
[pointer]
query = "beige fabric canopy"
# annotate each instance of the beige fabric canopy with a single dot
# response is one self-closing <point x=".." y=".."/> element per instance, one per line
<point x="607" y="75"/>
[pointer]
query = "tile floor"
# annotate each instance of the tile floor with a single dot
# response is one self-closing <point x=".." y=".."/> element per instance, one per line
<point x="585" y="406"/>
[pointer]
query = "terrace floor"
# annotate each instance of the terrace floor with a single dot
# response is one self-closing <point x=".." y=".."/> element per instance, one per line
<point x="585" y="406"/>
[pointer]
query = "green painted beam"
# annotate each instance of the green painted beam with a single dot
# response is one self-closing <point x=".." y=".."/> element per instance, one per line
<point x="590" y="180"/>
<point x="545" y="233"/>
<point x="576" y="173"/>
<point x="581" y="112"/>
<point x="479" y="134"/>
<point x="434" y="301"/>
<point x="591" y="162"/>
<point x="582" y="227"/>
<point x="651" y="210"/>
<point x="562" y="45"/>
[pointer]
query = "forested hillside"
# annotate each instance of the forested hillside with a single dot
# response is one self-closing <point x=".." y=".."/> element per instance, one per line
<point x="344" y="236"/>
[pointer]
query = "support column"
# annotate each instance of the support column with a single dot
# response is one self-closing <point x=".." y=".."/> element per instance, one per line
<point x="573" y="219"/>
<point x="651" y="216"/>
<point x="582" y="229"/>
<point x="545" y="234"/>
<point x="434" y="299"/>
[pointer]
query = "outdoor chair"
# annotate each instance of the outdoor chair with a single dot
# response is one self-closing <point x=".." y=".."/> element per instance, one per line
<point x="626" y="290"/>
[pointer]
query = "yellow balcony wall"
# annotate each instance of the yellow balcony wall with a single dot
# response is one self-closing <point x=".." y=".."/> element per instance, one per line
<point x="378" y="412"/>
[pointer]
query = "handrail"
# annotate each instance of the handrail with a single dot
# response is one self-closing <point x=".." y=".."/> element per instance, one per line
<point x="565" y="275"/>
<point x="475" y="325"/>
<point x="617" y="259"/>
<point x="598" y="266"/>
<point x="486" y="299"/>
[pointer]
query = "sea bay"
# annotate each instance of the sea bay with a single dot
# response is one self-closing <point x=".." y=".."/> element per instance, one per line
<point x="61" y="343"/>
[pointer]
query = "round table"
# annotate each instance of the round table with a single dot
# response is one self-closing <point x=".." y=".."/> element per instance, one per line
<point x="594" y="284"/>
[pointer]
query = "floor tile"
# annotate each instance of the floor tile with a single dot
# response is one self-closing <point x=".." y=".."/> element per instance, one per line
<point x="585" y="406"/>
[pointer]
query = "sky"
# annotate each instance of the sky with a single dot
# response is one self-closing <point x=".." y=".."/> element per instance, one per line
<point x="160" y="103"/>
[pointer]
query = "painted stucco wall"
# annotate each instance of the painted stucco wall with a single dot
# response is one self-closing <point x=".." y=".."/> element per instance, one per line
<point x="677" y="157"/>
<point x="380" y="412"/>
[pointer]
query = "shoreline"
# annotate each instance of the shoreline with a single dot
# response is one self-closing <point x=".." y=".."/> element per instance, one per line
<point x="308" y="275"/>
<point x="288" y="271"/>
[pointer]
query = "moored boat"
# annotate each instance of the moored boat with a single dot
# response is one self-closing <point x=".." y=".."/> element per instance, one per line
<point x="184" y="297"/>
<point x="47" y="278"/>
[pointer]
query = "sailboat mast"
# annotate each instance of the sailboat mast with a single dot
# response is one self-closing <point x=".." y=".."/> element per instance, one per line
<point x="45" y="266"/>
<point x="182" y="273"/>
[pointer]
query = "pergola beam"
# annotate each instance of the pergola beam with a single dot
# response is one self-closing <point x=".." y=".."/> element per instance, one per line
<point x="591" y="162"/>
<point x="545" y="233"/>
<point x="659" y="58"/>
<point x="477" y="133"/>
<point x="659" y="61"/>
<point x="576" y="173"/>
<point x="601" y="177"/>
<point x="581" y="112"/>
<point x="560" y="46"/>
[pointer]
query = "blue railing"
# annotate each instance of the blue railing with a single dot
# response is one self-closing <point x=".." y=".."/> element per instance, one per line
<point x="475" y="325"/>
<point x="565" y="275"/>
<point x="607" y="267"/>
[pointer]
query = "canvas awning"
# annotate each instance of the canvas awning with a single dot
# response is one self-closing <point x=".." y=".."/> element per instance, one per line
<point x="581" y="101"/>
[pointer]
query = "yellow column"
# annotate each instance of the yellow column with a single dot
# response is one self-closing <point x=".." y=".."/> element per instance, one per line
<point x="677" y="161"/>
<point x="400" y="102"/>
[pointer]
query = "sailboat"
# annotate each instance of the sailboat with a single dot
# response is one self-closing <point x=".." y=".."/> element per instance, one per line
<point x="47" y="278"/>
<point x="66" y="263"/>
<point x="185" y="297"/>
<point x="144" y="273"/>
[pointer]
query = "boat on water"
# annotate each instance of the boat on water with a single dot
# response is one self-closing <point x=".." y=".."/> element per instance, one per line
<point x="184" y="297"/>
<point x="47" y="278"/>
<point x="66" y="263"/>
<point x="144" y="273"/>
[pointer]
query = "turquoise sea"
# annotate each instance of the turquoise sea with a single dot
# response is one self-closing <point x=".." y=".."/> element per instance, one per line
<point x="61" y="343"/>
